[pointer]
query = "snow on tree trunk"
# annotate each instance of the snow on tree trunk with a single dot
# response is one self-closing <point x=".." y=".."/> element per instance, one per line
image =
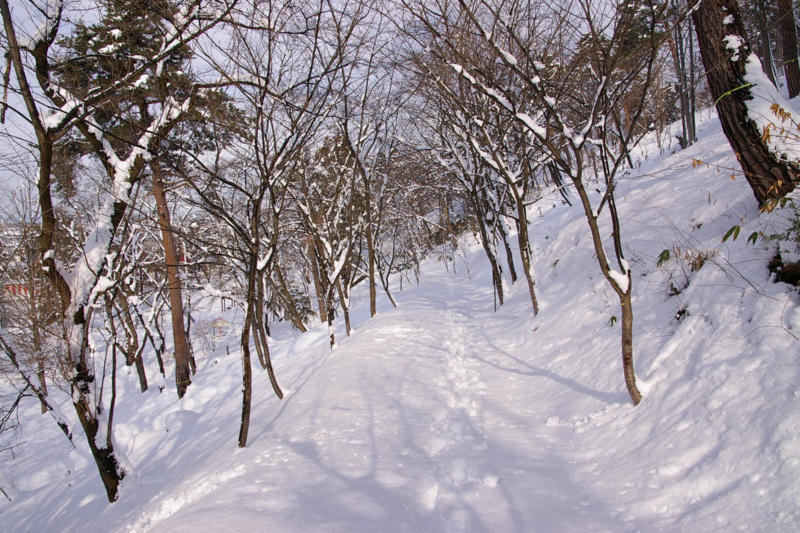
<point x="743" y="97"/>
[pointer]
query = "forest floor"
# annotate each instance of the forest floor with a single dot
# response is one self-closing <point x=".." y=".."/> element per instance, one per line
<point x="443" y="415"/>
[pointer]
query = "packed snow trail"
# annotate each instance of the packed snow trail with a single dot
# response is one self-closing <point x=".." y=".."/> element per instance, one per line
<point x="410" y="425"/>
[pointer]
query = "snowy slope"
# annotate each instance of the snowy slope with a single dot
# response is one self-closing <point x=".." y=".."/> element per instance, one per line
<point x="442" y="415"/>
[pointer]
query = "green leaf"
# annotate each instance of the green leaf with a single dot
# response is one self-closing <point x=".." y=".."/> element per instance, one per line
<point x="733" y="231"/>
<point x="663" y="257"/>
<point x="752" y="238"/>
<point x="612" y="321"/>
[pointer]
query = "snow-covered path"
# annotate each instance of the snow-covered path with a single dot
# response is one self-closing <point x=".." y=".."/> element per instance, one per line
<point x="409" y="425"/>
<point x="413" y="424"/>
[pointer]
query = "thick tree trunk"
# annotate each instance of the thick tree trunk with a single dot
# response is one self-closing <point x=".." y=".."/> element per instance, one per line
<point x="788" y="33"/>
<point x="101" y="446"/>
<point x="717" y="22"/>
<point x="183" y="377"/>
<point x="108" y="466"/>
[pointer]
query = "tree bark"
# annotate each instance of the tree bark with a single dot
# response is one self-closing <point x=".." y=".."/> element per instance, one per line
<point x="788" y="32"/>
<point x="497" y="278"/>
<point x="133" y="352"/>
<point x="183" y="377"/>
<point x="626" y="306"/>
<point x="373" y="295"/>
<point x="247" y="370"/>
<point x="104" y="457"/>
<point x="526" y="253"/>
<point x="627" y="347"/>
<point x="345" y="310"/>
<point x="313" y="258"/>
<point x="768" y="176"/>
<point x="764" y="41"/>
<point x="291" y="306"/>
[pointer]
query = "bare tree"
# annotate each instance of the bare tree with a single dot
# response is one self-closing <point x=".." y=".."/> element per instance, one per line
<point x="281" y="61"/>
<point x="577" y="78"/>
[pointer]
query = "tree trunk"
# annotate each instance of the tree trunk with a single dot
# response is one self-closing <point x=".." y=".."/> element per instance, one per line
<point x="678" y="51"/>
<point x="331" y="332"/>
<point x="183" y="376"/>
<point x="111" y="472"/>
<point x="247" y="371"/>
<point x="512" y="270"/>
<point x="627" y="347"/>
<point x="525" y="252"/>
<point x="497" y="277"/>
<point x="345" y="309"/>
<point x="37" y="346"/>
<point x="291" y="306"/>
<point x="788" y="33"/>
<point x="259" y="333"/>
<point x="764" y="44"/>
<point x="767" y="175"/>
<point x="314" y="260"/>
<point x="373" y="296"/>
<point x="107" y="463"/>
<point x="626" y="308"/>
<point x="133" y="353"/>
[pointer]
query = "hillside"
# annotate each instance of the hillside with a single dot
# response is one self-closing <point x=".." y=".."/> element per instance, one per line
<point x="443" y="415"/>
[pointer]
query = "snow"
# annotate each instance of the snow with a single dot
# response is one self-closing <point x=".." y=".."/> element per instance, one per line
<point x="508" y="57"/>
<point x="51" y="10"/>
<point x="462" y="71"/>
<point x="532" y="125"/>
<point x="442" y="415"/>
<point x="110" y="48"/>
<point x="142" y="81"/>
<point x="784" y="133"/>
<point x="263" y="261"/>
<point x="733" y="42"/>
<point x="620" y="279"/>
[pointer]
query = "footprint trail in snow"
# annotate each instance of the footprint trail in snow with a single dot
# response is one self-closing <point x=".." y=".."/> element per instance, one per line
<point x="456" y="440"/>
